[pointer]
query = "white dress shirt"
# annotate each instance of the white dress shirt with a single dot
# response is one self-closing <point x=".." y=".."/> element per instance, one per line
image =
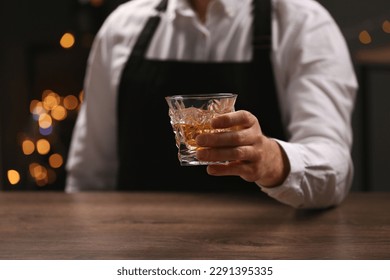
<point x="315" y="80"/>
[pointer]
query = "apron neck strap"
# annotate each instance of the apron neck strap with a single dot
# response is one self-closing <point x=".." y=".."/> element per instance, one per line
<point x="147" y="33"/>
<point x="262" y="28"/>
<point x="162" y="6"/>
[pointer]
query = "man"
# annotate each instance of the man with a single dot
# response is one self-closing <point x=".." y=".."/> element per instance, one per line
<point x="286" y="59"/>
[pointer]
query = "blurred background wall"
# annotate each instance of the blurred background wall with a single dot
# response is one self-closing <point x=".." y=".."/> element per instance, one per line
<point x="44" y="47"/>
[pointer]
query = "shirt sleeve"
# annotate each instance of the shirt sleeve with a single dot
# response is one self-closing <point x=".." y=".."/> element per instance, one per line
<point x="92" y="160"/>
<point x="317" y="88"/>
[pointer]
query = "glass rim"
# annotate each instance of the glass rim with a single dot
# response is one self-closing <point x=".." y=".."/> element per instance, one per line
<point x="202" y="96"/>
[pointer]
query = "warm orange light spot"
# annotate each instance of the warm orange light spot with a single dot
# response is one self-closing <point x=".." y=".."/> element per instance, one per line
<point x="32" y="167"/>
<point x="59" y="113"/>
<point x="38" y="172"/>
<point x="48" y="92"/>
<point x="28" y="147"/>
<point x="81" y="96"/>
<point x="42" y="177"/>
<point x="45" y="121"/>
<point x="33" y="105"/>
<point x="13" y="177"/>
<point x="36" y="108"/>
<point x="56" y="160"/>
<point x="71" y="102"/>
<point x="96" y="3"/>
<point x="50" y="102"/>
<point x="365" y="37"/>
<point x="43" y="146"/>
<point x="42" y="182"/>
<point x="67" y="40"/>
<point x="386" y="26"/>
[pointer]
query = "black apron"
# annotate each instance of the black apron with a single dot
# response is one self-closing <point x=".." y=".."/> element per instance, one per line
<point x="147" y="149"/>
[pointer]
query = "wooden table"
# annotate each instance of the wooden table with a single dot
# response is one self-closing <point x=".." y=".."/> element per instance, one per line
<point x="118" y="226"/>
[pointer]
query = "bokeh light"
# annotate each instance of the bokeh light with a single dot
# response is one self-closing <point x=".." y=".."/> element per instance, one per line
<point x="81" y="96"/>
<point x="50" y="102"/>
<point x="56" y="160"/>
<point x="45" y="120"/>
<point x="365" y="37"/>
<point x="43" y="146"/>
<point x="386" y="26"/>
<point x="39" y="173"/>
<point x="28" y="147"/>
<point x="37" y="109"/>
<point x="32" y="168"/>
<point x="96" y="3"/>
<point x="13" y="177"/>
<point x="59" y="113"/>
<point x="67" y="40"/>
<point x="71" y="102"/>
<point x="46" y="131"/>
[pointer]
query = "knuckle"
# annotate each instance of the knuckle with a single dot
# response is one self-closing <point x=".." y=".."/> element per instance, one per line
<point x="246" y="116"/>
<point x="237" y="137"/>
<point x="257" y="155"/>
<point x="240" y="153"/>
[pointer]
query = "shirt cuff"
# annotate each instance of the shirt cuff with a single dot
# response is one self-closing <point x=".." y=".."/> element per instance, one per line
<point x="289" y="192"/>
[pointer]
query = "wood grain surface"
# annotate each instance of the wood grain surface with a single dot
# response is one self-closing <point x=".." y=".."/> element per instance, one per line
<point x="153" y="225"/>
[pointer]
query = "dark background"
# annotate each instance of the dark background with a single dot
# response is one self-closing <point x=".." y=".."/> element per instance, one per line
<point x="31" y="61"/>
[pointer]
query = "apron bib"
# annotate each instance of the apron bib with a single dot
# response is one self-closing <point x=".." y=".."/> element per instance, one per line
<point x="146" y="142"/>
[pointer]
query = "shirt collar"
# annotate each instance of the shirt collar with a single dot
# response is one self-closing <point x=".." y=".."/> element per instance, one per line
<point x="183" y="7"/>
<point x="230" y="7"/>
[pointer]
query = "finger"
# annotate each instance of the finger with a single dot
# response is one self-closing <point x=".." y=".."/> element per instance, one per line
<point x="227" y="139"/>
<point x="240" y="118"/>
<point x="240" y="153"/>
<point x="237" y="168"/>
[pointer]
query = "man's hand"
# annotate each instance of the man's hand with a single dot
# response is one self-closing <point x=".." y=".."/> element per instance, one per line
<point x="252" y="156"/>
